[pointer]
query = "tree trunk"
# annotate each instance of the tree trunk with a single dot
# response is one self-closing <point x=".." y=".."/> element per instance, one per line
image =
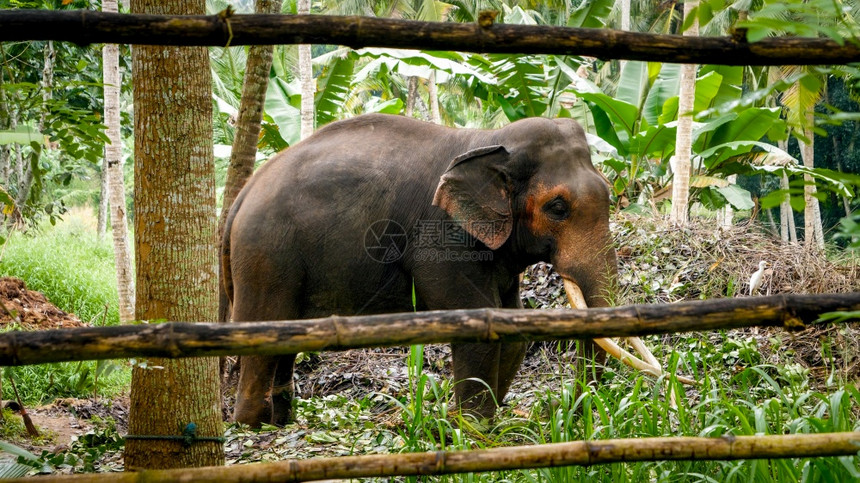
<point x="683" y="139"/>
<point x="784" y="210"/>
<point x="306" y="75"/>
<point x="15" y="163"/>
<point x="625" y="25"/>
<point x="175" y="245"/>
<point x="819" y="228"/>
<point x="19" y="163"/>
<point x="792" y="226"/>
<point x="244" y="153"/>
<point x="727" y="213"/>
<point x="101" y="221"/>
<point x="433" y="98"/>
<point x="411" y="95"/>
<point x="4" y="165"/>
<point x="115" y="179"/>
<point x="813" y="235"/>
<point x="5" y="119"/>
<point x="784" y="207"/>
<point x="846" y="203"/>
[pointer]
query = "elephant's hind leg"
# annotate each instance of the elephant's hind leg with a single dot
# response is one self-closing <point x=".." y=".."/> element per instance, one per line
<point x="254" y="394"/>
<point x="265" y="387"/>
<point x="283" y="391"/>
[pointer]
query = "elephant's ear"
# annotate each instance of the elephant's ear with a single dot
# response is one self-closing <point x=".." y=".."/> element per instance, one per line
<point x="475" y="191"/>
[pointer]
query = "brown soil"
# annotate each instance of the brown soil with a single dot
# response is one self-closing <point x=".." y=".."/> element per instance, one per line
<point x="30" y="309"/>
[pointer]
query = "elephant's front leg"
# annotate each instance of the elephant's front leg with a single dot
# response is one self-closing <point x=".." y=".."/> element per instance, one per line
<point x="476" y="377"/>
<point x="511" y="355"/>
<point x="510" y="359"/>
<point x="484" y="373"/>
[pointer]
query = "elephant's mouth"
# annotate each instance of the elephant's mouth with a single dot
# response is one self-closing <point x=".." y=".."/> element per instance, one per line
<point x="577" y="300"/>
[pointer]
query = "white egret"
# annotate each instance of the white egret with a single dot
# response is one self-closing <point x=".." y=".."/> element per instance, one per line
<point x="756" y="278"/>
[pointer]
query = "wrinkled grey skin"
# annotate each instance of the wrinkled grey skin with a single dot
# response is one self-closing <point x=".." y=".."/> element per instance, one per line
<point x="307" y="237"/>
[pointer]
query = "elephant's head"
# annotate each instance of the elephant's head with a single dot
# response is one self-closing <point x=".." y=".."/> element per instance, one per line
<point x="534" y="191"/>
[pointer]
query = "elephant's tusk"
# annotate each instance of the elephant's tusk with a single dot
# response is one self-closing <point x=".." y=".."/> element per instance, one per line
<point x="652" y="366"/>
<point x="640" y="347"/>
<point x="574" y="294"/>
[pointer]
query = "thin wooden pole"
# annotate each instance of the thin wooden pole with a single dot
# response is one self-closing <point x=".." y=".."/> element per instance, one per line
<point x="580" y="453"/>
<point x="478" y="325"/>
<point x="223" y="29"/>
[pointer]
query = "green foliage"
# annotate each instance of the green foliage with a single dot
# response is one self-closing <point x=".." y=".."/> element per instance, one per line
<point x="85" y="452"/>
<point x="26" y="461"/>
<point x="12" y="428"/>
<point x="756" y="399"/>
<point x="591" y="14"/>
<point x="802" y="18"/>
<point x="71" y="266"/>
<point x="849" y="228"/>
<point x="282" y="118"/>
<point x="333" y="88"/>
<point x="69" y="135"/>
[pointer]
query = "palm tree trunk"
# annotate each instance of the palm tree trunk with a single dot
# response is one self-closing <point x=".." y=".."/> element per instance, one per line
<point x="4" y="165"/>
<point x="306" y="75"/>
<point x="683" y="140"/>
<point x="115" y="179"/>
<point x="101" y="223"/>
<point x="785" y="212"/>
<point x="411" y="95"/>
<point x="244" y="153"/>
<point x="728" y="212"/>
<point x="625" y="25"/>
<point x="813" y="233"/>
<point x="5" y="118"/>
<point x="625" y="15"/>
<point x="175" y="246"/>
<point x="846" y="203"/>
<point x="433" y="98"/>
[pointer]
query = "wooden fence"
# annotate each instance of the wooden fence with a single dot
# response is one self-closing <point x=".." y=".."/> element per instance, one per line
<point x="339" y="333"/>
<point x="583" y="453"/>
<point x="178" y="339"/>
<point x="85" y="27"/>
<point x="793" y="312"/>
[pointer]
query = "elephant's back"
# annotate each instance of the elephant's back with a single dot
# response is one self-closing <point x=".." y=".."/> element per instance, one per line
<point x="325" y="203"/>
<point x="370" y="164"/>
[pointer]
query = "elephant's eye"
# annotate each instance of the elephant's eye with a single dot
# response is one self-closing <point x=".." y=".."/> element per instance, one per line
<point x="557" y="209"/>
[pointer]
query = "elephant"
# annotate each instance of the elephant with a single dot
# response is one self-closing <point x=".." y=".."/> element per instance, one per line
<point x="368" y="211"/>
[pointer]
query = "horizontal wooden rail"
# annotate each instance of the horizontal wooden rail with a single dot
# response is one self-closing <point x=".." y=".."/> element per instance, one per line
<point x="478" y="325"/>
<point x="86" y="27"/>
<point x="581" y="453"/>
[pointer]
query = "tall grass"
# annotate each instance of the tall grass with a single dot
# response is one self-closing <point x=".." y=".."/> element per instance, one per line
<point x="75" y="271"/>
<point x="738" y="396"/>
<point x="70" y="265"/>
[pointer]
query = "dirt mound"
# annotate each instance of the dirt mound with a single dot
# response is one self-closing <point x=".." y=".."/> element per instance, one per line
<point x="32" y="310"/>
<point x="660" y="263"/>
